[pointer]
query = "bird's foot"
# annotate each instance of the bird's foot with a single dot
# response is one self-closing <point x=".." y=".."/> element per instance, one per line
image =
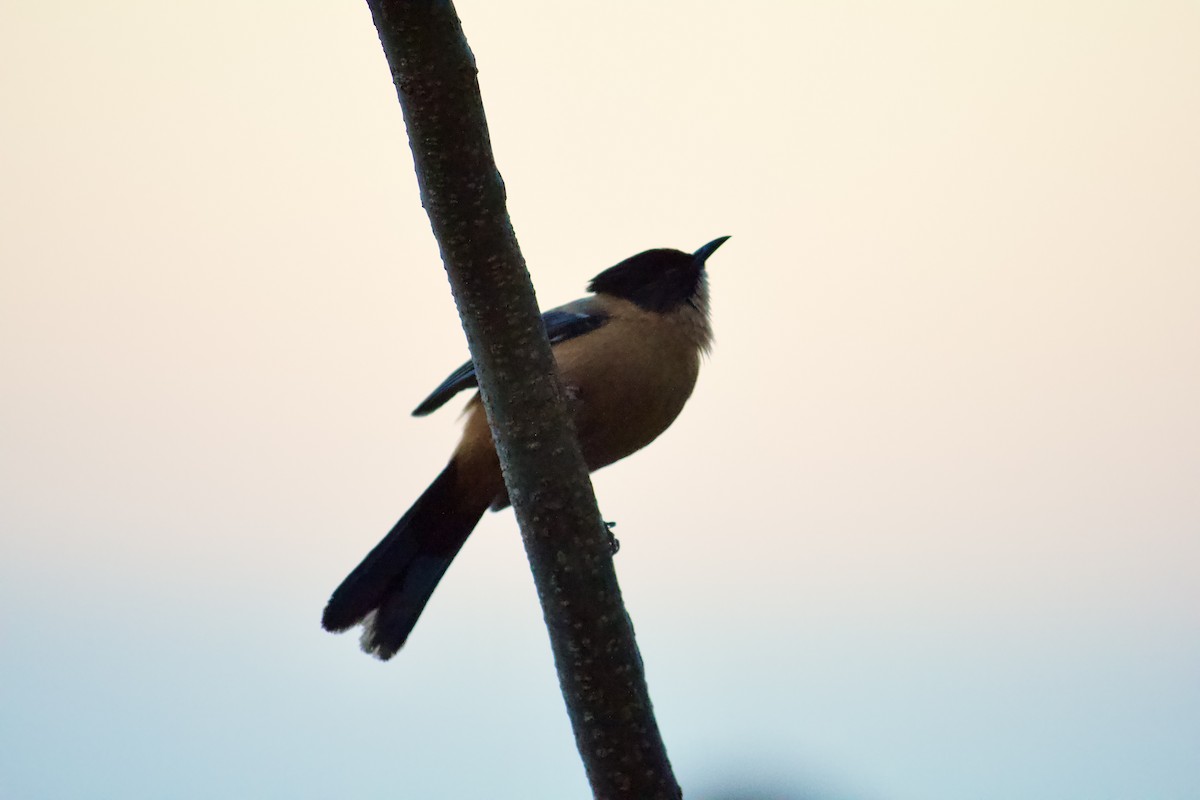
<point x="613" y="542"/>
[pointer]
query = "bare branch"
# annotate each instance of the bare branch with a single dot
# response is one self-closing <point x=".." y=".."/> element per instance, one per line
<point x="568" y="546"/>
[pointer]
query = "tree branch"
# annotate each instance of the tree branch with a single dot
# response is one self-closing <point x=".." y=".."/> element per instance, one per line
<point x="599" y="667"/>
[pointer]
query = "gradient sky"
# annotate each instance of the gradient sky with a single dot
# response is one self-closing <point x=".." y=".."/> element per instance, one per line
<point x="928" y="530"/>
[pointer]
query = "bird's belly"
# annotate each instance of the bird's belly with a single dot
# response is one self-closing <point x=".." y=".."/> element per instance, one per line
<point x="623" y="398"/>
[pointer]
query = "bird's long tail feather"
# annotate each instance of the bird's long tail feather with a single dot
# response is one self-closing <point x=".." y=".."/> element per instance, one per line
<point x="390" y="588"/>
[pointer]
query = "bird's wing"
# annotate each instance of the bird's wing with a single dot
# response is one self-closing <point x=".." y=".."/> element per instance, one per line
<point x="562" y="323"/>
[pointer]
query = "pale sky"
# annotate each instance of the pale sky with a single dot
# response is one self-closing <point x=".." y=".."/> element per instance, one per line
<point x="929" y="528"/>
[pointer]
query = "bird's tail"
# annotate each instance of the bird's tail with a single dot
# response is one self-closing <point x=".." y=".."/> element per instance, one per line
<point x="390" y="588"/>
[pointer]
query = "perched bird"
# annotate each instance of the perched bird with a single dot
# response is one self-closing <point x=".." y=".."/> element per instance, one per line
<point x="628" y="357"/>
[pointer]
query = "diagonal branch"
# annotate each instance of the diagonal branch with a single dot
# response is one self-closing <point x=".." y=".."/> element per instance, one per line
<point x="598" y="664"/>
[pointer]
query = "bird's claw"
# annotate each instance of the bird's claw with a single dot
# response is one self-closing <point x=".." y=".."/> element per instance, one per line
<point x="613" y="542"/>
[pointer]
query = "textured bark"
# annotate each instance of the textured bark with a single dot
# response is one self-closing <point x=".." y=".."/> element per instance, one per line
<point x="598" y="664"/>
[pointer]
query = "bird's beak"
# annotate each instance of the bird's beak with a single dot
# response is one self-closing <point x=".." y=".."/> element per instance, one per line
<point x="703" y="253"/>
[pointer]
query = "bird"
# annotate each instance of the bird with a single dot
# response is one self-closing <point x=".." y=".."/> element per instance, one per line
<point x="628" y="356"/>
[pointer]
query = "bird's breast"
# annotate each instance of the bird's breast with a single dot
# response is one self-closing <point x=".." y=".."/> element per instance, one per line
<point x="628" y="380"/>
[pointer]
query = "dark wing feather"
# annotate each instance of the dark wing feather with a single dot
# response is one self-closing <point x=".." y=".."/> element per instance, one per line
<point x="565" y="322"/>
<point x="569" y="322"/>
<point x="461" y="378"/>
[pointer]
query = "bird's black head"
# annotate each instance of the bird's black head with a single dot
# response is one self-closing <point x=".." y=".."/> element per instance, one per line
<point x="657" y="280"/>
